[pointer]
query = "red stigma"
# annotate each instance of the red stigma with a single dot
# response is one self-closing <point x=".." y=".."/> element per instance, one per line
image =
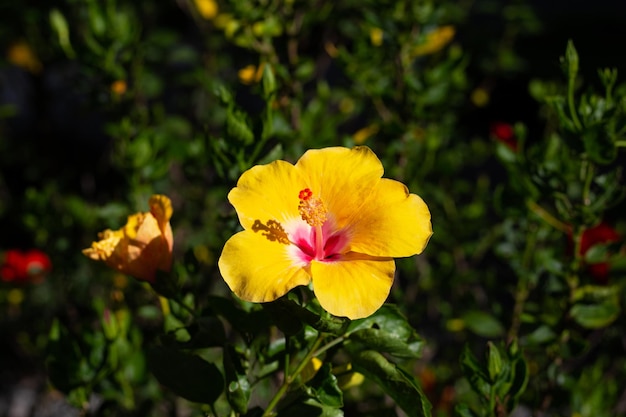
<point x="305" y="194"/>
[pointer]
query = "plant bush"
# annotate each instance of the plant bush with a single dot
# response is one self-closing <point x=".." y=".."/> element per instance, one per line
<point x="513" y="308"/>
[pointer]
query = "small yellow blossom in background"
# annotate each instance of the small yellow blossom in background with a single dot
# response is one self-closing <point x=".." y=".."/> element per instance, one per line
<point x="207" y="9"/>
<point x="480" y="97"/>
<point x="15" y="296"/>
<point x="331" y="49"/>
<point x="118" y="87"/>
<point x="141" y="247"/>
<point x="22" y="55"/>
<point x="310" y="369"/>
<point x="346" y="105"/>
<point x="250" y="74"/>
<point x="376" y="36"/>
<point x="222" y="20"/>
<point x="329" y="220"/>
<point x="360" y="136"/>
<point x="435" y="41"/>
<point x="346" y="378"/>
<point x="455" y="325"/>
<point x="203" y="254"/>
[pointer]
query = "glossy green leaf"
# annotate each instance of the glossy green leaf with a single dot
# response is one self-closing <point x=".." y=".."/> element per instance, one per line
<point x="389" y="319"/>
<point x="494" y="361"/>
<point x="520" y="378"/>
<point x="463" y="410"/>
<point x="309" y="408"/>
<point x="475" y="373"/>
<point x="325" y="387"/>
<point x="236" y="379"/>
<point x="595" y="316"/>
<point x="187" y="375"/>
<point x="281" y="313"/>
<point x="383" y="341"/>
<point x="237" y="126"/>
<point x="599" y="145"/>
<point x="397" y="383"/>
<point x="483" y="324"/>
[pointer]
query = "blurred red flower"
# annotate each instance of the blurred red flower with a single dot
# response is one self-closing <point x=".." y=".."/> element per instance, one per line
<point x="28" y="266"/>
<point x="600" y="234"/>
<point x="503" y="132"/>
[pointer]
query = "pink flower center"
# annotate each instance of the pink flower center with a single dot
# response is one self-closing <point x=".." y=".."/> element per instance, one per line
<point x="318" y="239"/>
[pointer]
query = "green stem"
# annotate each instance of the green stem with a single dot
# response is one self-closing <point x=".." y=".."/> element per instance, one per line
<point x="546" y="216"/>
<point x="571" y="104"/>
<point x="330" y="344"/>
<point x="620" y="144"/>
<point x="289" y="378"/>
<point x="588" y="171"/>
<point x="523" y="287"/>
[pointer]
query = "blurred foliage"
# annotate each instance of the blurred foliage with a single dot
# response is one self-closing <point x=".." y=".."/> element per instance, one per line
<point x="514" y="307"/>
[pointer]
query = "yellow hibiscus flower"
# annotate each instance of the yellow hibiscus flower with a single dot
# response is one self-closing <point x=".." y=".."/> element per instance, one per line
<point x="330" y="219"/>
<point x="141" y="247"/>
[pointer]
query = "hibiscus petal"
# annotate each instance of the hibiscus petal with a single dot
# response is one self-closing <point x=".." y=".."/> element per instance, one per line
<point x="267" y="192"/>
<point x="341" y="177"/>
<point x="354" y="287"/>
<point x="258" y="269"/>
<point x="392" y="222"/>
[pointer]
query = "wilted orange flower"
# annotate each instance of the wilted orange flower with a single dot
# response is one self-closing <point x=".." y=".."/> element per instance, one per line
<point x="141" y="247"/>
<point x="330" y="219"/>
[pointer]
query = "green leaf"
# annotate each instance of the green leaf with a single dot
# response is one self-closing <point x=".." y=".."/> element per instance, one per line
<point x="387" y="318"/>
<point x="63" y="359"/>
<point x="205" y="332"/>
<point x="599" y="145"/>
<point x="483" y="324"/>
<point x="281" y="313"/>
<point x="520" y="379"/>
<point x="187" y="375"/>
<point x="329" y="324"/>
<point x="398" y="384"/>
<point x="326" y="388"/>
<point x="542" y="334"/>
<point x="269" y="81"/>
<point x="494" y="361"/>
<point x="309" y="408"/>
<point x="237" y="126"/>
<point x="237" y="384"/>
<point x="463" y="410"/>
<point x="244" y="322"/>
<point x="474" y="372"/>
<point x="595" y="316"/>
<point x="383" y="341"/>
